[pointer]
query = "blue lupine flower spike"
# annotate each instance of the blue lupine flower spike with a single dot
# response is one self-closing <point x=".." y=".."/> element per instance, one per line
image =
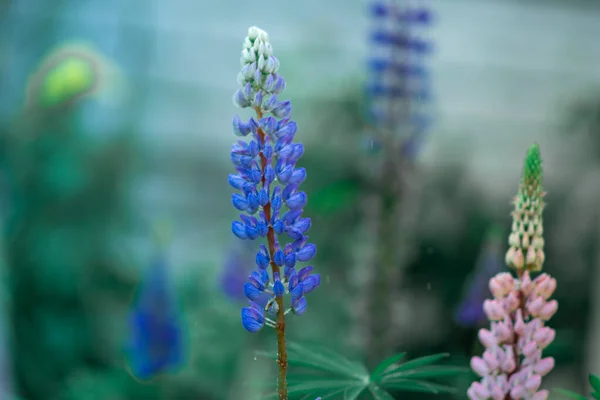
<point x="269" y="194"/>
<point x="399" y="90"/>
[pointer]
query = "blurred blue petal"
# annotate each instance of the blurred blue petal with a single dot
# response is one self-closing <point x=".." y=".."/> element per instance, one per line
<point x="491" y="261"/>
<point x="156" y="332"/>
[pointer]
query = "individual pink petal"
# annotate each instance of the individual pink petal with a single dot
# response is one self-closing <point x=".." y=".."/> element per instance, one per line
<point x="480" y="390"/>
<point x="517" y="392"/>
<point x="496" y="287"/>
<point x="497" y="393"/>
<point x="493" y="310"/>
<point x="548" y="310"/>
<point x="509" y="365"/>
<point x="544" y="366"/>
<point x="529" y="349"/>
<point x="491" y="359"/>
<point x="544" y="336"/>
<point x="519" y="323"/>
<point x="526" y="284"/>
<point x="502" y="332"/>
<point x="487" y="338"/>
<point x="535" y="306"/>
<point x="541" y="395"/>
<point x="479" y="366"/>
<point x="512" y="301"/>
<point x="533" y="383"/>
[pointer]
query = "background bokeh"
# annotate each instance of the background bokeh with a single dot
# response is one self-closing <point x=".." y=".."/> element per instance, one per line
<point x="83" y="181"/>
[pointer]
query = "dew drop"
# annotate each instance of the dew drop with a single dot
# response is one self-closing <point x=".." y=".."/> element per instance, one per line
<point x="255" y="359"/>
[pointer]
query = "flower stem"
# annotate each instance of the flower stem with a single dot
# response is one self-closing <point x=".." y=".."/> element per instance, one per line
<point x="282" y="393"/>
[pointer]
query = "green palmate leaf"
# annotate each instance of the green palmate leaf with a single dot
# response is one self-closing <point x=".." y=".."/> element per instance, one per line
<point x="413" y="385"/>
<point x="385" y="364"/>
<point x="379" y="394"/>
<point x="433" y="371"/>
<point x="411" y="365"/>
<point x="570" y="394"/>
<point x="321" y="359"/>
<point x="595" y="382"/>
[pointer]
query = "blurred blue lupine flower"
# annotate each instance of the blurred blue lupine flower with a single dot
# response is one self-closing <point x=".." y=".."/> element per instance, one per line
<point x="234" y="272"/>
<point x="268" y="181"/>
<point x="156" y="343"/>
<point x="490" y="262"/>
<point x="398" y="91"/>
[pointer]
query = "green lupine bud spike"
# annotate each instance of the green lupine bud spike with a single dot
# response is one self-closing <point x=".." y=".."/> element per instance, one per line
<point x="526" y="244"/>
<point x="532" y="170"/>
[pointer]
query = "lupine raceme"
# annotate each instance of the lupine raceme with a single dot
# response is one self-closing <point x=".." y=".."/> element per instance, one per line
<point x="512" y="365"/>
<point x="269" y="198"/>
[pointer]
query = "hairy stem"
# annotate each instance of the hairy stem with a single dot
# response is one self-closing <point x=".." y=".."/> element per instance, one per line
<point x="379" y="308"/>
<point x="282" y="363"/>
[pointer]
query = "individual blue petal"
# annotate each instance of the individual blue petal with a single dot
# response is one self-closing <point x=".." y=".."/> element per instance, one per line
<point x="262" y="257"/>
<point x="276" y="200"/>
<point x="239" y="202"/>
<point x="286" y="130"/>
<point x="268" y="151"/>
<point x="240" y="128"/>
<point x="305" y="272"/>
<point x="263" y="197"/>
<point x="285" y="174"/>
<point x="269" y="85"/>
<point x="291" y="216"/>
<point x="298" y="152"/>
<point x="239" y="230"/>
<point x="258" y="98"/>
<point x="241" y="160"/>
<point x="257" y="79"/>
<point x="285" y="152"/>
<point x="297" y="290"/>
<point x="311" y="283"/>
<point x="296" y="201"/>
<point x="290" y="259"/>
<point x="278" y="288"/>
<point x="279" y="227"/>
<point x="282" y="110"/>
<point x="279" y="84"/>
<point x="253" y="148"/>
<point x="279" y="257"/>
<point x="262" y="229"/>
<point x="251" y="291"/>
<point x="269" y="174"/>
<point x="306" y="253"/>
<point x="268" y="125"/>
<point x="248" y="91"/>
<point x="240" y="100"/>
<point x="253" y="202"/>
<point x="253" y="318"/>
<point x="236" y="181"/>
<point x="298" y="176"/>
<point x="299" y="307"/>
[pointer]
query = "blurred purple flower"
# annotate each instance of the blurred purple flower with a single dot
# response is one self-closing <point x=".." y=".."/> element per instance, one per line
<point x="490" y="262"/>
<point x="235" y="272"/>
